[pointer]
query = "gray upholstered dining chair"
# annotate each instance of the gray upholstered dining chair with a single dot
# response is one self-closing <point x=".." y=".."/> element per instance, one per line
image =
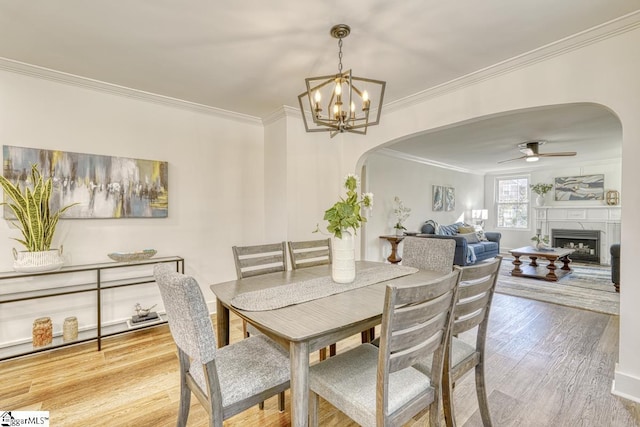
<point x="309" y="253"/>
<point x="228" y="380"/>
<point x="475" y="293"/>
<point x="256" y="260"/>
<point x="429" y="254"/>
<point x="378" y="386"/>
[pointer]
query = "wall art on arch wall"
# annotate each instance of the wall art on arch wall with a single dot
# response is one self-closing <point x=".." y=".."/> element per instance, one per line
<point x="449" y="199"/>
<point x="586" y="187"/>
<point x="438" y="198"/>
<point x="103" y="186"/>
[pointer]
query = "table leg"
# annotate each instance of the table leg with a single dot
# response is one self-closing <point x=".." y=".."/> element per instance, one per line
<point x="565" y="263"/>
<point x="533" y="262"/>
<point x="517" y="263"/>
<point x="551" y="275"/>
<point x="299" y="355"/>
<point x="222" y="324"/>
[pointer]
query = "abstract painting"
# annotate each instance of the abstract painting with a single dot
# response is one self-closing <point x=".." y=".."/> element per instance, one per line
<point x="449" y="199"/>
<point x="103" y="186"/>
<point x="438" y="198"/>
<point x="586" y="187"/>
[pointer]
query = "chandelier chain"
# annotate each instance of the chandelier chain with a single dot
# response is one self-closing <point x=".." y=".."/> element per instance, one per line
<point x="340" y="56"/>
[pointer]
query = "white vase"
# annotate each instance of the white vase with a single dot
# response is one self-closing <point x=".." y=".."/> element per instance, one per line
<point x="343" y="263"/>
<point x="399" y="232"/>
<point x="539" y="200"/>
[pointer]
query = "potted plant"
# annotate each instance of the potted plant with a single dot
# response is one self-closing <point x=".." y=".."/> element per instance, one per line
<point x="401" y="213"/>
<point x="344" y="219"/>
<point x="35" y="220"/>
<point x="541" y="189"/>
<point x="541" y="242"/>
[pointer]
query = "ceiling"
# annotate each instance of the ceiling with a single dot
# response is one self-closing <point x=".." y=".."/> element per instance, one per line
<point x="252" y="56"/>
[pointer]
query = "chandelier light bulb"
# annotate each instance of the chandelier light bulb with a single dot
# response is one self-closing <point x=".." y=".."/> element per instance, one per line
<point x="318" y="97"/>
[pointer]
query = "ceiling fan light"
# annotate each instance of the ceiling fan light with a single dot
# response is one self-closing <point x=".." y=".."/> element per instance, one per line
<point x="532" y="159"/>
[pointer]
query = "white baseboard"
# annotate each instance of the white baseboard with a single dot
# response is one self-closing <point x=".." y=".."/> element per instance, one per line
<point x="626" y="386"/>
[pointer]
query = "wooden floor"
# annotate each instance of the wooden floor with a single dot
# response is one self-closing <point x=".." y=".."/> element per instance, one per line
<point x="548" y="365"/>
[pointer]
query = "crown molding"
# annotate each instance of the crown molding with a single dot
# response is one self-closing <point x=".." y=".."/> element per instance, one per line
<point x="404" y="156"/>
<point x="576" y="41"/>
<point x="112" y="89"/>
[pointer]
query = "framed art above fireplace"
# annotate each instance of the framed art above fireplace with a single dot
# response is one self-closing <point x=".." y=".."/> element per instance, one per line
<point x="586" y="187"/>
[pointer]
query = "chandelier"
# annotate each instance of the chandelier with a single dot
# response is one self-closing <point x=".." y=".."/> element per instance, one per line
<point x="348" y="100"/>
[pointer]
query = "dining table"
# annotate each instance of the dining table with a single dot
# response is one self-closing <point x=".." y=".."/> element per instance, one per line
<point x="304" y="310"/>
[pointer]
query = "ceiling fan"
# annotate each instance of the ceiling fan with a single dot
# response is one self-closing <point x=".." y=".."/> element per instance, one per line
<point x="532" y="154"/>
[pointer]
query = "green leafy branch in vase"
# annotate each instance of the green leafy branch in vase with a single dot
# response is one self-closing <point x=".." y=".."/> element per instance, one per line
<point x="345" y="214"/>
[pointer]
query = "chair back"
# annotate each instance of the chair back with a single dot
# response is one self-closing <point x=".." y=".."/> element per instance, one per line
<point x="416" y="323"/>
<point x="310" y="253"/>
<point x="429" y="253"/>
<point x="475" y="293"/>
<point x="259" y="259"/>
<point x="187" y="314"/>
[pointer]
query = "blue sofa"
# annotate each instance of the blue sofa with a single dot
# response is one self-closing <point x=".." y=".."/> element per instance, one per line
<point x="482" y="250"/>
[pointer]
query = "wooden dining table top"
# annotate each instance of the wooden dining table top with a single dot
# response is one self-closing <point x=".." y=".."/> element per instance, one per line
<point x="310" y="319"/>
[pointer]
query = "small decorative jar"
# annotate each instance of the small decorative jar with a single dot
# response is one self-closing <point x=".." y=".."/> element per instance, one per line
<point x="70" y="329"/>
<point x="42" y="332"/>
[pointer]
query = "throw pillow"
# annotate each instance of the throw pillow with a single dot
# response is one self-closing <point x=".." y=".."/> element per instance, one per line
<point x="480" y="234"/>
<point x="466" y="229"/>
<point x="470" y="237"/>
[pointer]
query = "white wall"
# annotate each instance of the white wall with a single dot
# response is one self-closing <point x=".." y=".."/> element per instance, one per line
<point x="412" y="182"/>
<point x="216" y="183"/>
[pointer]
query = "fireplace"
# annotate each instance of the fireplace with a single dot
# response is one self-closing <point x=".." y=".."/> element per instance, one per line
<point x="586" y="243"/>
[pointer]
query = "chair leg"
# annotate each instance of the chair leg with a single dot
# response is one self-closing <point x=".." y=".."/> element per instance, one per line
<point x="313" y="409"/>
<point x="447" y="399"/>
<point x="481" y="391"/>
<point x="281" y="401"/>
<point x="332" y="350"/>
<point x="364" y="336"/>
<point x="261" y="406"/>
<point x="245" y="333"/>
<point x="185" y="396"/>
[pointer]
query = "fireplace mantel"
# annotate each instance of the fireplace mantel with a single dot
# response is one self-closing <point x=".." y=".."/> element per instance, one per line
<point x="606" y="219"/>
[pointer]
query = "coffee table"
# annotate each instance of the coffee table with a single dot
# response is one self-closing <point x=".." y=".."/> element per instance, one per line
<point x="549" y="272"/>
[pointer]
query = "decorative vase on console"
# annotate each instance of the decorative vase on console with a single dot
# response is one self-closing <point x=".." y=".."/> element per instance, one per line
<point x="344" y="219"/>
<point x="539" y="200"/>
<point x="401" y="213"/>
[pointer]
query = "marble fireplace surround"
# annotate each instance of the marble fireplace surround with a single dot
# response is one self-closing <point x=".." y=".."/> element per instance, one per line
<point x="606" y="219"/>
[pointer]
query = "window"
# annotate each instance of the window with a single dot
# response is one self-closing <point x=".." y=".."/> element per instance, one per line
<point x="512" y="202"/>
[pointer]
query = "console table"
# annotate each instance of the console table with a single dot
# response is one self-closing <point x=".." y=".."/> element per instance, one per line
<point x="90" y="278"/>
<point x="394" y="241"/>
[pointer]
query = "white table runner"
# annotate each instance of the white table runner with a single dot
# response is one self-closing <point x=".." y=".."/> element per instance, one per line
<point x="307" y="290"/>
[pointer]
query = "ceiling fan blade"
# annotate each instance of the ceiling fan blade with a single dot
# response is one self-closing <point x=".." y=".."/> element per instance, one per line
<point x="558" y="154"/>
<point x="511" y="160"/>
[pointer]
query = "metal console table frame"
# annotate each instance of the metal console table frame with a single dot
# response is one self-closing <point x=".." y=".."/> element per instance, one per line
<point x="98" y="285"/>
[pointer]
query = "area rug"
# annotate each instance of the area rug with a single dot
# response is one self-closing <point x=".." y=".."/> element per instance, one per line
<point x="588" y="287"/>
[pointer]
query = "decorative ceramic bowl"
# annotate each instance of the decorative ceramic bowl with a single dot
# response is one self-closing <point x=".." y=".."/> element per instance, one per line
<point x="132" y="256"/>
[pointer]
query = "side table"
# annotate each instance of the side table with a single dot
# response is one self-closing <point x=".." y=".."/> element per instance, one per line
<point x="394" y="241"/>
